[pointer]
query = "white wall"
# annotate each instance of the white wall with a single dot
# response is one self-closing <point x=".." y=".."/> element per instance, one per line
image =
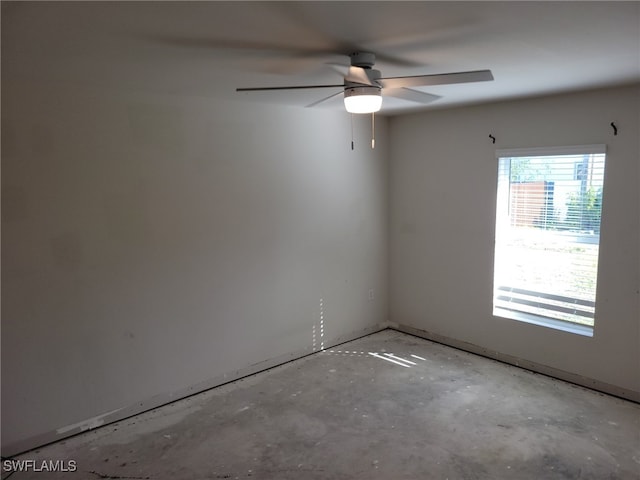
<point x="153" y="244"/>
<point x="443" y="192"/>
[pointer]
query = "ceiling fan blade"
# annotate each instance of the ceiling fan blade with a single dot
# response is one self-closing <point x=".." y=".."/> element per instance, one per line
<point x="351" y="73"/>
<point x="411" y="95"/>
<point x="322" y="100"/>
<point x="298" y="87"/>
<point x="437" y="79"/>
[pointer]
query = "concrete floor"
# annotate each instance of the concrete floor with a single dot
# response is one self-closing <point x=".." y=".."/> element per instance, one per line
<point x="347" y="414"/>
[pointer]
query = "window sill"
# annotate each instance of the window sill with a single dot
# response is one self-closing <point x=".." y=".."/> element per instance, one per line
<point x="569" y="327"/>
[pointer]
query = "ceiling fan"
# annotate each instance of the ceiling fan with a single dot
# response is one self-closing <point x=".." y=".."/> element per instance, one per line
<point x="363" y="85"/>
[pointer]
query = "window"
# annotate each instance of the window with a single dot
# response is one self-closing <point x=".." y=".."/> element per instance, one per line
<point x="548" y="212"/>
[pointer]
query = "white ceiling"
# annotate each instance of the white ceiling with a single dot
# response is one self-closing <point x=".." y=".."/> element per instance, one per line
<point x="209" y="48"/>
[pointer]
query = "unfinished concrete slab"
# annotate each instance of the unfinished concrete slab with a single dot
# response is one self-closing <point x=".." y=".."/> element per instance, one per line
<point x="386" y="406"/>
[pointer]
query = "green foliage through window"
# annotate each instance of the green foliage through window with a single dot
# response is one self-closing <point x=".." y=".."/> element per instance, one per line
<point x="584" y="210"/>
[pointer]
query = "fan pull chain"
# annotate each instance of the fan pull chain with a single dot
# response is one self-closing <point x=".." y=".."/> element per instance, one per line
<point x="351" y="131"/>
<point x="373" y="131"/>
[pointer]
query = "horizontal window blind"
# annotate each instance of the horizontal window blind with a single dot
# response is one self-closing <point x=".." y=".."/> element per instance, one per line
<point x="547" y="234"/>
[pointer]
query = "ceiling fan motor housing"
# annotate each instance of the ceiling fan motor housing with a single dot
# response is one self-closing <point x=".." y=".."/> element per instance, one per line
<point x="362" y="90"/>
<point x="361" y="98"/>
<point x="363" y="59"/>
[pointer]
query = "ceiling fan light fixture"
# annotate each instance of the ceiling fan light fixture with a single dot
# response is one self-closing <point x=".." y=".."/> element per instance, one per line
<point x="366" y="99"/>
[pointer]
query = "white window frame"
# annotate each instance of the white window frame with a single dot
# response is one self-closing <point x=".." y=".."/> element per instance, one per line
<point x="502" y="203"/>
